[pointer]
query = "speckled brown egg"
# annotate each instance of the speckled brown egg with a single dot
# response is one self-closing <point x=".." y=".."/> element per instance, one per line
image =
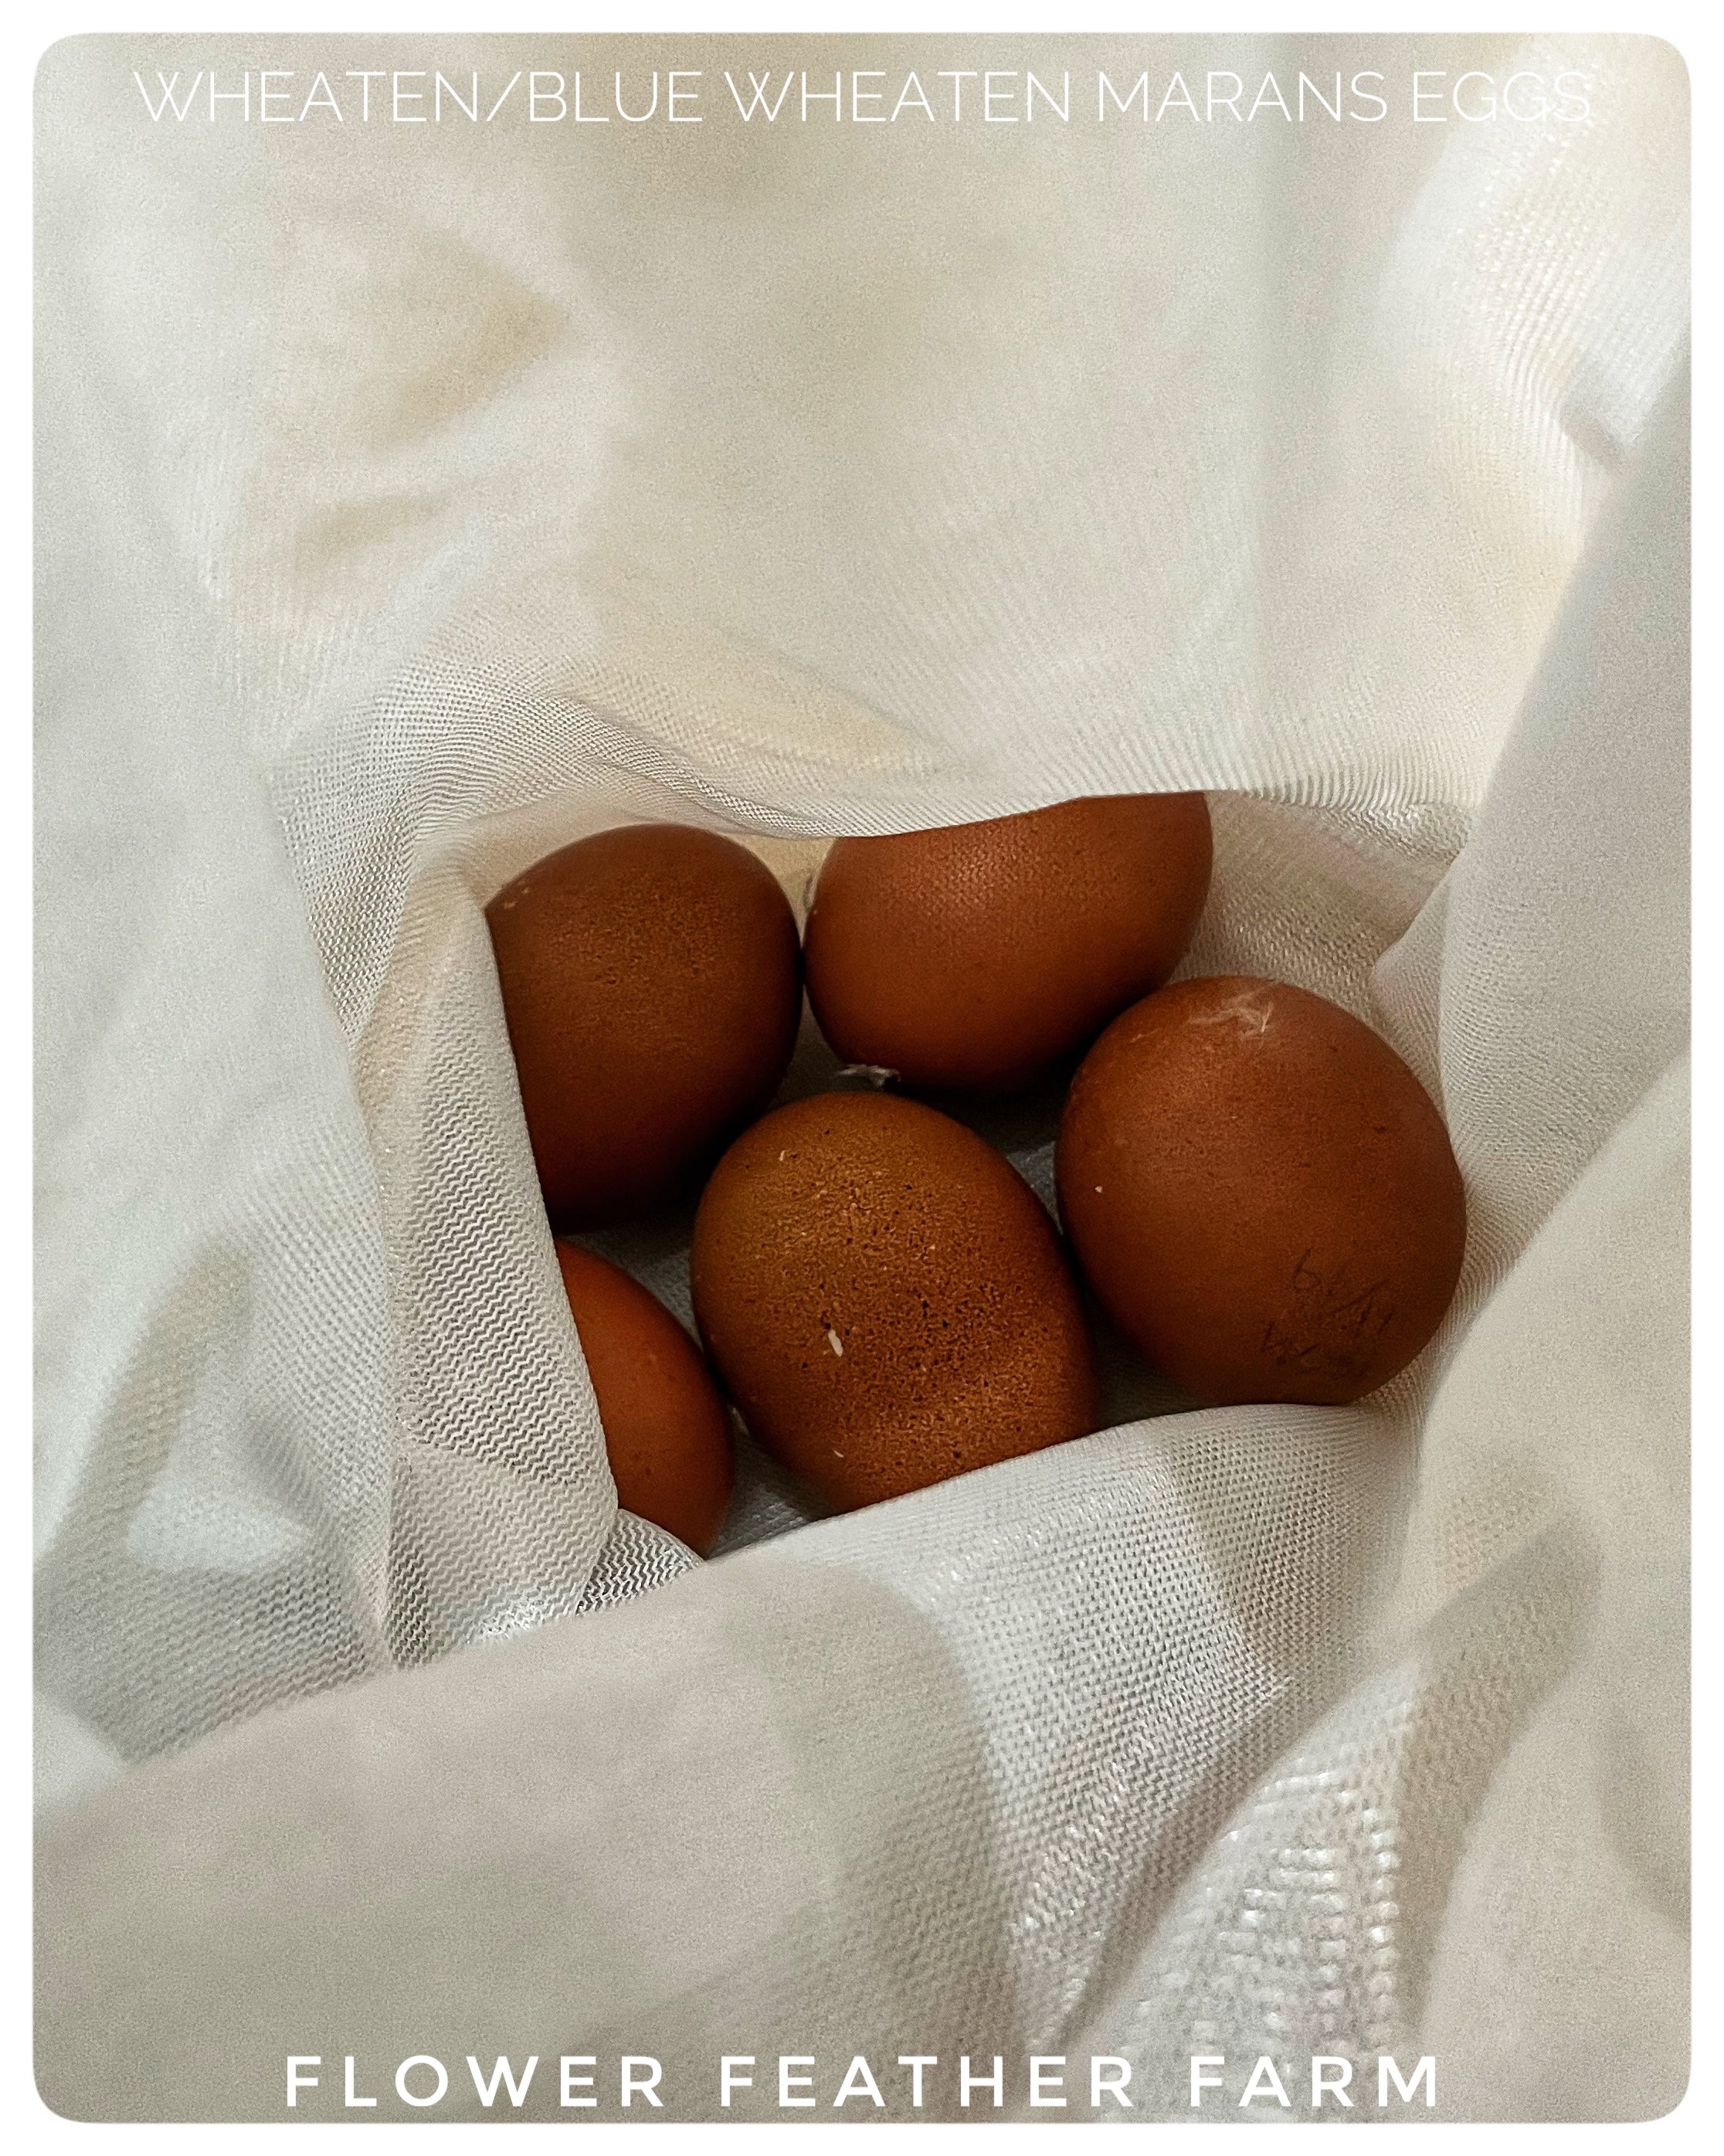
<point x="1260" y="1193"/>
<point x="884" y="1298"/>
<point x="666" y="1432"/>
<point x="651" y="980"/>
<point x="973" y="958"/>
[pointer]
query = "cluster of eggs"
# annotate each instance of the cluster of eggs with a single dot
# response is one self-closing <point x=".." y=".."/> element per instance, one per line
<point x="1255" y="1187"/>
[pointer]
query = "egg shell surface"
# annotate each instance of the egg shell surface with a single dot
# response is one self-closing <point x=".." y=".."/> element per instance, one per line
<point x="885" y="1299"/>
<point x="970" y="958"/>
<point x="667" y="1434"/>
<point x="1260" y="1193"/>
<point x="651" y="983"/>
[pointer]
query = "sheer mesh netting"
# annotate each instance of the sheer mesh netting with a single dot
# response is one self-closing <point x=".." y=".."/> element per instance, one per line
<point x="414" y="501"/>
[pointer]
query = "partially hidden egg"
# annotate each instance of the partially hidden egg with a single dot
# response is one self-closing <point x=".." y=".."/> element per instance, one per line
<point x="651" y="983"/>
<point x="884" y="1298"/>
<point x="973" y="958"/>
<point x="666" y="1431"/>
<point x="1260" y="1192"/>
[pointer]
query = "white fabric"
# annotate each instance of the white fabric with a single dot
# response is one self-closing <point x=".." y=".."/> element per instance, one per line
<point x="413" y="501"/>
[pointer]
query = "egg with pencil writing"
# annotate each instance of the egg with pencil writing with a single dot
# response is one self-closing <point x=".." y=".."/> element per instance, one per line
<point x="1260" y="1192"/>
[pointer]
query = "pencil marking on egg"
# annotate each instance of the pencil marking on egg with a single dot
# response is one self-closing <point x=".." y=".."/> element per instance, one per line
<point x="1249" y="1010"/>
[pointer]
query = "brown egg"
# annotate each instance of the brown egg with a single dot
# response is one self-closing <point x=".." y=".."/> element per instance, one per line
<point x="885" y="1299"/>
<point x="975" y="957"/>
<point x="666" y="1432"/>
<point x="1260" y="1192"/>
<point x="651" y="981"/>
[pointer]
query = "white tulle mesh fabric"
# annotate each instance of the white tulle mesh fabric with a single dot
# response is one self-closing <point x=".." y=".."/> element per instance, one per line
<point x="408" y="508"/>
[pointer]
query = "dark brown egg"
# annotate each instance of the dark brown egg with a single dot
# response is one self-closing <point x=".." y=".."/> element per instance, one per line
<point x="975" y="957"/>
<point x="885" y="1299"/>
<point x="1260" y="1193"/>
<point x="651" y="981"/>
<point x="666" y="1432"/>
